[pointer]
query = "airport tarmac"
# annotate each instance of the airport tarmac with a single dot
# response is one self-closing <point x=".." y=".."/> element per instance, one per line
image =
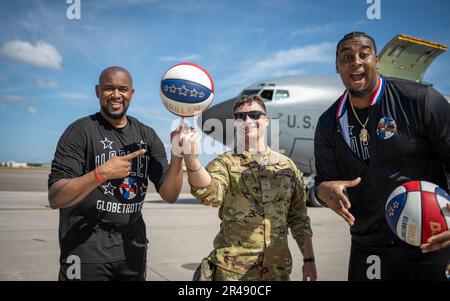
<point x="180" y="234"/>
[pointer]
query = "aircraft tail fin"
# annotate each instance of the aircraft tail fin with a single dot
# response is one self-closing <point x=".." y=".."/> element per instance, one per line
<point x="408" y="57"/>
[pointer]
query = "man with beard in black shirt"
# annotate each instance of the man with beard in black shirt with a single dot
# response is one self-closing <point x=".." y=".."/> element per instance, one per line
<point x="379" y="134"/>
<point x="99" y="179"/>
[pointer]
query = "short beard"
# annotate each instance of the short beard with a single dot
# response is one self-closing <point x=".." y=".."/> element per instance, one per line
<point x="363" y="92"/>
<point x="113" y="116"/>
<point x="357" y="94"/>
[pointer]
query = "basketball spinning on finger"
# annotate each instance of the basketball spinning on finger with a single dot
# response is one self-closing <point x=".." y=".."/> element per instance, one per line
<point x="186" y="89"/>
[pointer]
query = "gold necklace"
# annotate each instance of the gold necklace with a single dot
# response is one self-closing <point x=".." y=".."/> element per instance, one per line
<point x="363" y="134"/>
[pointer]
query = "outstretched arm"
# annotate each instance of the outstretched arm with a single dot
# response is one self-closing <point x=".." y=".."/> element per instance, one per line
<point x="171" y="187"/>
<point x="68" y="192"/>
<point x="198" y="176"/>
<point x="208" y="185"/>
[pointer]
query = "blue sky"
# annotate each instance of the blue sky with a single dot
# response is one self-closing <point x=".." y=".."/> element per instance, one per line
<point x="49" y="64"/>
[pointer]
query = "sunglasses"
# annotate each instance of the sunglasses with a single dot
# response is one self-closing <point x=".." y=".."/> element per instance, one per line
<point x="255" y="115"/>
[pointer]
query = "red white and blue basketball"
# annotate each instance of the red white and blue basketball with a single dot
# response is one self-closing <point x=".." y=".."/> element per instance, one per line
<point x="186" y="89"/>
<point x="416" y="210"/>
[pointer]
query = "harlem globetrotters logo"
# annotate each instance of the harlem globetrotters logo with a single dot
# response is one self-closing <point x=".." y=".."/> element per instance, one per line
<point x="128" y="188"/>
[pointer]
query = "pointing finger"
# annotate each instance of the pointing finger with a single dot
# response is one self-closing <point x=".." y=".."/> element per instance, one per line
<point x="135" y="154"/>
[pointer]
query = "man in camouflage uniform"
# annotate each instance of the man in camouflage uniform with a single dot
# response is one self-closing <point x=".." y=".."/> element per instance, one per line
<point x="261" y="194"/>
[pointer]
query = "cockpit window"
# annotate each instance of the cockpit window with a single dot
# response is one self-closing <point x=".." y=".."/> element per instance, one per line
<point x="249" y="92"/>
<point x="281" y="94"/>
<point x="267" y="95"/>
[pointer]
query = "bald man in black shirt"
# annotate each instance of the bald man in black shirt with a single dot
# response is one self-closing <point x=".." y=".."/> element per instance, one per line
<point x="99" y="179"/>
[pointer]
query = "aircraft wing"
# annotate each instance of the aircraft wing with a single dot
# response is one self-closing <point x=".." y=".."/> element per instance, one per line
<point x="407" y="57"/>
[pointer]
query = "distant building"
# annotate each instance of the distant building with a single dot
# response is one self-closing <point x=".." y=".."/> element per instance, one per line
<point x="15" y="164"/>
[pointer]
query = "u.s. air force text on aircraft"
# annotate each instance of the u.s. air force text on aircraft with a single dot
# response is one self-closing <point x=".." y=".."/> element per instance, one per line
<point x="292" y="121"/>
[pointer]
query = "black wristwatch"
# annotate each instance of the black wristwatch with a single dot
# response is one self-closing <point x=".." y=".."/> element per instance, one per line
<point x="308" y="259"/>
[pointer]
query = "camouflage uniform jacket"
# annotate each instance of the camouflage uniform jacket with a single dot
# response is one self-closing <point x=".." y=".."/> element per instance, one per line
<point x="259" y="198"/>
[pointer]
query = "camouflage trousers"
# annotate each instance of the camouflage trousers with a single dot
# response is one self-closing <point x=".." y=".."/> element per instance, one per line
<point x="208" y="271"/>
<point x="253" y="274"/>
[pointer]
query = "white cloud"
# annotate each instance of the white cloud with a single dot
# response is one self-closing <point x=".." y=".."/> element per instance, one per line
<point x="74" y="95"/>
<point x="326" y="28"/>
<point x="285" y="59"/>
<point x="298" y="71"/>
<point x="47" y="84"/>
<point x="281" y="63"/>
<point x="41" y="55"/>
<point x="15" y="99"/>
<point x="43" y="19"/>
<point x="32" y="110"/>
<point x="19" y="100"/>
<point x="313" y="29"/>
<point x="151" y="113"/>
<point x="186" y="58"/>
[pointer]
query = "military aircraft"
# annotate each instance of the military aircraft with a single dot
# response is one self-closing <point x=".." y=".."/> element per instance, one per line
<point x="298" y="101"/>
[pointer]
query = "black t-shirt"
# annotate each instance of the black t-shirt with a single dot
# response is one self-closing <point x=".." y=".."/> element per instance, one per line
<point x="409" y="128"/>
<point x="98" y="228"/>
<point x="360" y="148"/>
